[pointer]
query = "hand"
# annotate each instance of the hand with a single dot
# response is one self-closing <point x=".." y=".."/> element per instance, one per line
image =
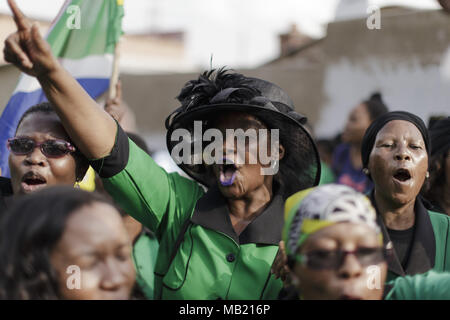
<point x="279" y="266"/>
<point x="26" y="48"/>
<point x="114" y="106"/>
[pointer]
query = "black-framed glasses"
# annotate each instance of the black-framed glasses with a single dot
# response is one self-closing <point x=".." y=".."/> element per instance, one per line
<point x="333" y="259"/>
<point x="50" y="148"/>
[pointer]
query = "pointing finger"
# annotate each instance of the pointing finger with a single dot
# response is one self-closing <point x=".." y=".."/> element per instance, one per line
<point x="20" y="19"/>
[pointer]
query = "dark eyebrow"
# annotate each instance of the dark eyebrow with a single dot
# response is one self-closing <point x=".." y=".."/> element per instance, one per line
<point x="384" y="138"/>
<point x="247" y="123"/>
<point x="243" y="123"/>
<point x="96" y="254"/>
<point x="48" y="137"/>
<point x="124" y="245"/>
<point x="85" y="254"/>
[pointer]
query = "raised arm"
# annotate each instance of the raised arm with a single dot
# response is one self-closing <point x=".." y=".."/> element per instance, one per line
<point x="159" y="200"/>
<point x="91" y="128"/>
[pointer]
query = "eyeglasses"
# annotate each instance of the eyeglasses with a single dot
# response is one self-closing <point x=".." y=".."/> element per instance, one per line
<point x="50" y="148"/>
<point x="333" y="259"/>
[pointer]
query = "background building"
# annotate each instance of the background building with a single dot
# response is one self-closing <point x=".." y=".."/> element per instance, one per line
<point x="326" y="69"/>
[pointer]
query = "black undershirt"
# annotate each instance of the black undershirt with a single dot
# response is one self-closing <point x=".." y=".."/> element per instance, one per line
<point x="402" y="241"/>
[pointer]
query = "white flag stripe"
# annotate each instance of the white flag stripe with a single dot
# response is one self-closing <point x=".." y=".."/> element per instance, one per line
<point x="95" y="67"/>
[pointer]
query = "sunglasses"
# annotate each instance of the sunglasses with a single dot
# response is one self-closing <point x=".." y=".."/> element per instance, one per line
<point x="333" y="259"/>
<point x="51" y="148"/>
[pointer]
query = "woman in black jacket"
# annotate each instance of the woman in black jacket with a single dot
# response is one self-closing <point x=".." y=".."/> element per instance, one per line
<point x="395" y="154"/>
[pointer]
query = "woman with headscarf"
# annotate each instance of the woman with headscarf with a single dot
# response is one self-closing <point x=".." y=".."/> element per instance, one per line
<point x="395" y="153"/>
<point x="346" y="161"/>
<point x="335" y="251"/>
<point x="214" y="245"/>
<point x="437" y="187"/>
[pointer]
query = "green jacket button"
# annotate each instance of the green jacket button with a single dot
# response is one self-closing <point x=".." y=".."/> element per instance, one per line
<point x="230" y="257"/>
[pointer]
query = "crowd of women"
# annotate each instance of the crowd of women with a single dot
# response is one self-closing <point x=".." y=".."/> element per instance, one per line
<point x="228" y="231"/>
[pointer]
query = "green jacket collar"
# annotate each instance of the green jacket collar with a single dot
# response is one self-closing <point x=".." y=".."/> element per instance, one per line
<point x="423" y="250"/>
<point x="212" y="212"/>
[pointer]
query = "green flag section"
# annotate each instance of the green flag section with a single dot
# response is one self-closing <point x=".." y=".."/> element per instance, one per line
<point x="83" y="37"/>
<point x="87" y="27"/>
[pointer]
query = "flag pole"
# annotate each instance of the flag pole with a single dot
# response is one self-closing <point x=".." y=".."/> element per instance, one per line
<point x="115" y="72"/>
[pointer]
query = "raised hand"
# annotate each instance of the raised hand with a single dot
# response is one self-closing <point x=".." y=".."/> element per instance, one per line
<point x="279" y="266"/>
<point x="114" y="106"/>
<point x="89" y="127"/>
<point x="26" y="48"/>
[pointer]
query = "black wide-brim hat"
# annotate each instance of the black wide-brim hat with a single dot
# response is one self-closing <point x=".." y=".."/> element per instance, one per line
<point x="206" y="99"/>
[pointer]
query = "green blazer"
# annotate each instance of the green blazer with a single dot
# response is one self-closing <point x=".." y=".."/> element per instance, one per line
<point x="429" y="286"/>
<point x="209" y="261"/>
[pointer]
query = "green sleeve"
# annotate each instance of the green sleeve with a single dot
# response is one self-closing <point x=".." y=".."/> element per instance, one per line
<point x="161" y="201"/>
<point x="326" y="174"/>
<point x="145" y="251"/>
<point x="428" y="286"/>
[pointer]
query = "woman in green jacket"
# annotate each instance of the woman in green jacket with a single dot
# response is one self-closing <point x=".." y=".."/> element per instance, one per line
<point x="395" y="154"/>
<point x="335" y="251"/>
<point x="214" y="245"/>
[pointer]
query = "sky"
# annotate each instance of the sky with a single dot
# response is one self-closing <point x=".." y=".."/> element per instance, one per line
<point x="237" y="33"/>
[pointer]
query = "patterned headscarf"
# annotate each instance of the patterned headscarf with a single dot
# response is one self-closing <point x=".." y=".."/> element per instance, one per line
<point x="310" y="210"/>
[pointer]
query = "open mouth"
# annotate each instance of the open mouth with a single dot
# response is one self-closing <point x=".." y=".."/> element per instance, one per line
<point x="32" y="181"/>
<point x="227" y="173"/>
<point x="402" y="175"/>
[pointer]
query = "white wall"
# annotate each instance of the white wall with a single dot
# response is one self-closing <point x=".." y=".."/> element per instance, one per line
<point x="409" y="86"/>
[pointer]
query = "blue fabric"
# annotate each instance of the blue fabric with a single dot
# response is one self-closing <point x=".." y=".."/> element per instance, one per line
<point x="347" y="174"/>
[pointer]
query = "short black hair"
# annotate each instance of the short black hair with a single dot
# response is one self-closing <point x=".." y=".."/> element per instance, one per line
<point x="47" y="108"/>
<point x="43" y="107"/>
<point x="375" y="106"/>
<point x="29" y="231"/>
<point x="432" y="120"/>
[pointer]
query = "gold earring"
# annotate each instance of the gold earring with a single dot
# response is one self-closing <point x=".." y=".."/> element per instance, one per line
<point x="427" y="175"/>
<point x="366" y="171"/>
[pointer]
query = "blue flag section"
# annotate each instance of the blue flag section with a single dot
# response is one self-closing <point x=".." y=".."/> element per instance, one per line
<point x="86" y="51"/>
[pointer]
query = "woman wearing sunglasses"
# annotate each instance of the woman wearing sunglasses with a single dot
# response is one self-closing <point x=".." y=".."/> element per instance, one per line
<point x="335" y="250"/>
<point x="41" y="155"/>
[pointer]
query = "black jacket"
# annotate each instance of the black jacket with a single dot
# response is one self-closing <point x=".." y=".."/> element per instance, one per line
<point x="5" y="193"/>
<point x="429" y="244"/>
